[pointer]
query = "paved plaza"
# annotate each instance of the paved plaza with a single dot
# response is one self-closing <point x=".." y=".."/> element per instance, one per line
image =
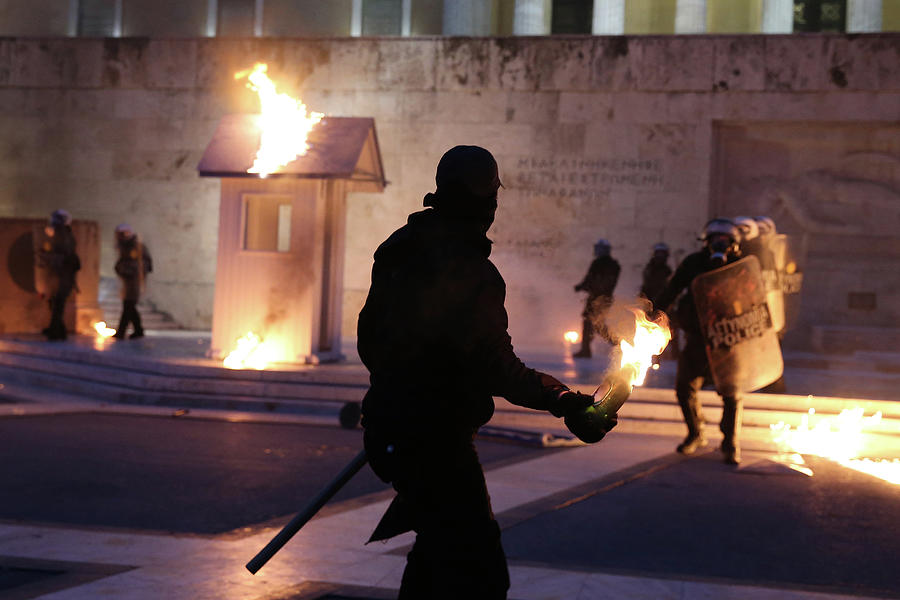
<point x="103" y="500"/>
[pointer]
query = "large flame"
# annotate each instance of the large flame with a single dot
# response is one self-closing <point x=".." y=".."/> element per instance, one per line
<point x="650" y="339"/>
<point x="839" y="439"/>
<point x="285" y="123"/>
<point x="572" y="337"/>
<point x="250" y="352"/>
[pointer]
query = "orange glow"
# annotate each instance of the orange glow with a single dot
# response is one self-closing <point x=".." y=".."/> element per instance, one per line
<point x="250" y="352"/>
<point x="285" y="123"/>
<point x="572" y="337"/>
<point x="102" y="330"/>
<point x="839" y="439"/>
<point x="650" y="339"/>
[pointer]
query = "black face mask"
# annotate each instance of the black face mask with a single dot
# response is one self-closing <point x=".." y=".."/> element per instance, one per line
<point x="465" y="207"/>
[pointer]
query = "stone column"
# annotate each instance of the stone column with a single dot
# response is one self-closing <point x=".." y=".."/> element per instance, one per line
<point x="778" y="16"/>
<point x="356" y="18"/>
<point x="212" y="17"/>
<point x="259" y="11"/>
<point x="406" y="18"/>
<point x="531" y="17"/>
<point x="863" y="16"/>
<point x="690" y="16"/>
<point x="468" y="17"/>
<point x="609" y="17"/>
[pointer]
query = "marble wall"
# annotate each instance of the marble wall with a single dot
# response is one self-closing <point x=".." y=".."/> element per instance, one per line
<point x="609" y="137"/>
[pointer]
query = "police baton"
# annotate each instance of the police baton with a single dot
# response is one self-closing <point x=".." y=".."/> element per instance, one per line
<point x="289" y="530"/>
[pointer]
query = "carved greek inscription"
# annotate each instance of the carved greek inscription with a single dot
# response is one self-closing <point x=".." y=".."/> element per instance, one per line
<point x="588" y="178"/>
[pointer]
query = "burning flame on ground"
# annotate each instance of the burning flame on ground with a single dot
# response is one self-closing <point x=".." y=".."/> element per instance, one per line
<point x="572" y="337"/>
<point x="836" y="438"/>
<point x="650" y="339"/>
<point x="250" y="352"/>
<point x="102" y="330"/>
<point x="285" y="123"/>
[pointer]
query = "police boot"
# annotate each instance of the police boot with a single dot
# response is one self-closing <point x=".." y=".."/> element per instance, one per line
<point x="732" y="412"/>
<point x="693" y="418"/>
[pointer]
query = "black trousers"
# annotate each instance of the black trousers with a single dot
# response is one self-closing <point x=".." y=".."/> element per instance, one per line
<point x="57" y="328"/>
<point x="457" y="552"/>
<point x="693" y="372"/>
<point x="130" y="315"/>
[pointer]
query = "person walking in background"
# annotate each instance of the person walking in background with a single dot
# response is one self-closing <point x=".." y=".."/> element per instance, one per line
<point x="132" y="267"/>
<point x="654" y="279"/>
<point x="599" y="282"/>
<point x="656" y="273"/>
<point x="60" y="261"/>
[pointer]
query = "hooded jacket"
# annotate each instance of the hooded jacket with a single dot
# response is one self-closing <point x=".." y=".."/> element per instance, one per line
<point x="433" y="332"/>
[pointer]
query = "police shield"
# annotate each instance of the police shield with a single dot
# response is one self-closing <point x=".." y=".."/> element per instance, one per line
<point x="769" y="247"/>
<point x="741" y="342"/>
<point x="790" y="252"/>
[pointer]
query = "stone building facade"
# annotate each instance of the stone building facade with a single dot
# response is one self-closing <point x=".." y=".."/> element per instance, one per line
<point x="637" y="139"/>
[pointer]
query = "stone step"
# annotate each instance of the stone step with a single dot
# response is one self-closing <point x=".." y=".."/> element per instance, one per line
<point x="107" y="392"/>
<point x="100" y="376"/>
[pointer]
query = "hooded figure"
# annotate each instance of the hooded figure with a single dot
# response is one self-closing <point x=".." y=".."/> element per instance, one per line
<point x="599" y="282"/>
<point x="433" y="335"/>
<point x="58" y="255"/>
<point x="720" y="247"/>
<point x="132" y="267"/>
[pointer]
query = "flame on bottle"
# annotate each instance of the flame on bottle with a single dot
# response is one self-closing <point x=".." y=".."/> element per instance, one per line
<point x="572" y="337"/>
<point x="285" y="123"/>
<point x="649" y="340"/>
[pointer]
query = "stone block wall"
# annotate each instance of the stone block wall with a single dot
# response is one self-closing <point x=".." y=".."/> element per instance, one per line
<point x="596" y="137"/>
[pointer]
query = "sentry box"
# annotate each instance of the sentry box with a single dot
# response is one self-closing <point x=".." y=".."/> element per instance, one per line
<point x="279" y="272"/>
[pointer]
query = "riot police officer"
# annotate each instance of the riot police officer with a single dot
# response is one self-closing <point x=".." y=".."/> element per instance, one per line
<point x="599" y="282"/>
<point x="433" y="335"/>
<point x="61" y="262"/>
<point x="132" y="267"/>
<point x="656" y="272"/>
<point x="720" y="246"/>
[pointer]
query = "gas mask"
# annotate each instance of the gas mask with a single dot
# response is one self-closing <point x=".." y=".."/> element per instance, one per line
<point x="720" y="248"/>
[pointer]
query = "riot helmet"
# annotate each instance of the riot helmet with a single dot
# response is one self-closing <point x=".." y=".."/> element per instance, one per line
<point x="747" y="227"/>
<point x="766" y="226"/>
<point x="720" y="236"/>
<point x="60" y="218"/>
<point x="602" y="248"/>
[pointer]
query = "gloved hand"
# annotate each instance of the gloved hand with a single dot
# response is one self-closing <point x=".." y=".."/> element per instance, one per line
<point x="579" y="287"/>
<point x="567" y="402"/>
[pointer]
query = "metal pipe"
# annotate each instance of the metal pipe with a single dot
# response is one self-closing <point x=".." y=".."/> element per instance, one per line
<point x="295" y="524"/>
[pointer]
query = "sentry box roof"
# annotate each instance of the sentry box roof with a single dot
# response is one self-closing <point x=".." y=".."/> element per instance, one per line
<point x="339" y="148"/>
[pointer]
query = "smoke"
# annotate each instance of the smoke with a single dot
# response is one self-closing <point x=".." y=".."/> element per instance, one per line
<point x="617" y="322"/>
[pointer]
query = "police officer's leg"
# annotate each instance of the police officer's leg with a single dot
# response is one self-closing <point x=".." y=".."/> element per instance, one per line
<point x="136" y="321"/>
<point x="732" y="413"/>
<point x="688" y="381"/>
<point x="587" y="331"/>
<point x="57" y="328"/>
<point x="457" y="553"/>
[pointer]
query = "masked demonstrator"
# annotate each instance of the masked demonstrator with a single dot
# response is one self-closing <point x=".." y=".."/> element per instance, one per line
<point x="433" y="334"/>
<point x="132" y="267"/>
<point x="600" y="283"/>
<point x="58" y="257"/>
<point x="720" y="247"/>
